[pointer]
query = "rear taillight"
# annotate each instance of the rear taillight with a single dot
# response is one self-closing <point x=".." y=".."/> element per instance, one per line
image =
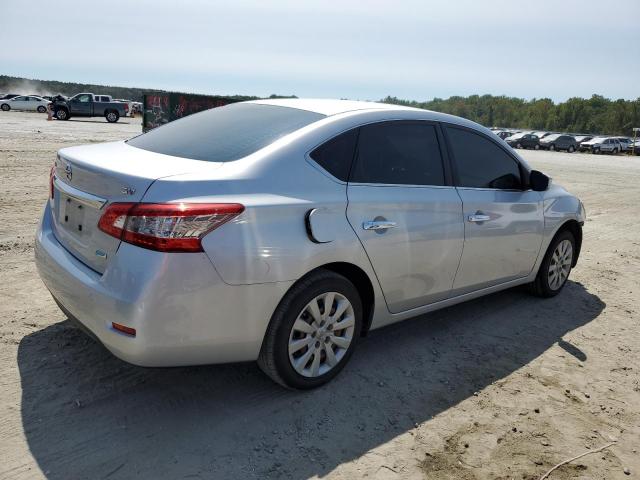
<point x="52" y="176"/>
<point x="166" y="227"/>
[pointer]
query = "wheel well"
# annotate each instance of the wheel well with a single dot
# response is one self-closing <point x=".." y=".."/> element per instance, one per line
<point x="576" y="230"/>
<point x="363" y="284"/>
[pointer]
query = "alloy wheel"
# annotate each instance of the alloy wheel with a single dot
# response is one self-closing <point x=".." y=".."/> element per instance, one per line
<point x="560" y="264"/>
<point x="321" y="334"/>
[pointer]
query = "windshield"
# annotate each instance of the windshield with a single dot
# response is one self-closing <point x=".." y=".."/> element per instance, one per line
<point x="518" y="135"/>
<point x="226" y="133"/>
<point x="551" y="137"/>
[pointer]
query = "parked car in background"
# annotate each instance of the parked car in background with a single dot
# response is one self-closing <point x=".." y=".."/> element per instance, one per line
<point x="7" y="96"/>
<point x="541" y="134"/>
<point x="634" y="148"/>
<point x="601" y="145"/>
<point x="582" y="138"/>
<point x="503" y="133"/>
<point x="524" y="140"/>
<point x="29" y="103"/>
<point x="129" y="104"/>
<point x="283" y="230"/>
<point x="89" y="105"/>
<point x="559" y="141"/>
<point x="625" y="143"/>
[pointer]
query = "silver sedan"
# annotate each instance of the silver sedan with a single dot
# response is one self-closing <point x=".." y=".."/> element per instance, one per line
<point x="283" y="230"/>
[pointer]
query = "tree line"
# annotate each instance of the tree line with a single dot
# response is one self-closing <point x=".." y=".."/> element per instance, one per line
<point x="576" y="115"/>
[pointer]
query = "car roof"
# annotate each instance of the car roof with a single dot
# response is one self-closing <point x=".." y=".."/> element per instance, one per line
<point x="330" y="107"/>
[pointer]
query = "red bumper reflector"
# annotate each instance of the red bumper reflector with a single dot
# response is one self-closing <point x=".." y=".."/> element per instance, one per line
<point x="124" y="329"/>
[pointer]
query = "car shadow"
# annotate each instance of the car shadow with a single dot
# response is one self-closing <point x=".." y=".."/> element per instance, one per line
<point x="89" y="415"/>
<point x="83" y="120"/>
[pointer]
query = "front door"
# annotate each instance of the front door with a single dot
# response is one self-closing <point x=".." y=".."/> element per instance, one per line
<point x="404" y="213"/>
<point x="20" y="103"/>
<point x="81" y="105"/>
<point x="503" y="221"/>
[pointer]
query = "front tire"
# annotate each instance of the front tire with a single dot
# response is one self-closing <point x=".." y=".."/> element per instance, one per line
<point x="552" y="147"/>
<point x="5" y="107"/>
<point x="62" y="114"/>
<point x="556" y="265"/>
<point x="536" y="147"/>
<point x="571" y="149"/>
<point x="42" y="109"/>
<point x="313" y="332"/>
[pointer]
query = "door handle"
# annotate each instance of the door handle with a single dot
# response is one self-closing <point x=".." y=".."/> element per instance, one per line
<point x="378" y="225"/>
<point x="478" y="217"/>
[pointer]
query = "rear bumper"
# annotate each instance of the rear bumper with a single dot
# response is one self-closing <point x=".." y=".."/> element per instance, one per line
<point x="183" y="313"/>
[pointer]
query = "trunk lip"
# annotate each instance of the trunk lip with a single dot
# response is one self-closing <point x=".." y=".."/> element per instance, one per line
<point x="79" y="195"/>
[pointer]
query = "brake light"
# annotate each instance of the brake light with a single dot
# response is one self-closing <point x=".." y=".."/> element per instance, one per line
<point x="52" y="176"/>
<point x="166" y="227"/>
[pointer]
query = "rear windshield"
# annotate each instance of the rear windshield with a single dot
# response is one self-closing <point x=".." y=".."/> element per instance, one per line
<point x="226" y="133"/>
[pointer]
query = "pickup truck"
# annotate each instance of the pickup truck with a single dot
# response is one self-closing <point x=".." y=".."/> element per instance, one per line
<point x="89" y="105"/>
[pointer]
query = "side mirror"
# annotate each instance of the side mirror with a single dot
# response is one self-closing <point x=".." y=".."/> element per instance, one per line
<point x="538" y="181"/>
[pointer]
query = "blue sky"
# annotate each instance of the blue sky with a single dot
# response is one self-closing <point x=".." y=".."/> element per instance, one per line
<point x="341" y="49"/>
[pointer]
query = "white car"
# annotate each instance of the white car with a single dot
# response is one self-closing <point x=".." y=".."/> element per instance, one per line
<point x="24" y="102"/>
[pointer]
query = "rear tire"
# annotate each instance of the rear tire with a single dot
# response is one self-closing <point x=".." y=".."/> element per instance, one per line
<point x="556" y="266"/>
<point x="552" y="147"/>
<point x="571" y="149"/>
<point x="5" y="107"/>
<point x="536" y="147"/>
<point x="615" y="151"/>
<point x="112" y="116"/>
<point x="518" y="145"/>
<point x="595" y="151"/>
<point x="302" y="348"/>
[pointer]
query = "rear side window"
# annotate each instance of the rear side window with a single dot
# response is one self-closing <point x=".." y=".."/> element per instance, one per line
<point x="226" y="133"/>
<point x="336" y="155"/>
<point x="481" y="163"/>
<point x="402" y="153"/>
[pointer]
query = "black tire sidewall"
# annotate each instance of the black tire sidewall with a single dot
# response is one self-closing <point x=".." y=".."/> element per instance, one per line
<point x="542" y="279"/>
<point x="57" y="113"/>
<point x="106" y="115"/>
<point x="8" y="107"/>
<point x="41" y="109"/>
<point x="284" y="322"/>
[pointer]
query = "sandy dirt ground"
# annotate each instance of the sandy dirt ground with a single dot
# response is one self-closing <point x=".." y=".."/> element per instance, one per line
<point x="502" y="387"/>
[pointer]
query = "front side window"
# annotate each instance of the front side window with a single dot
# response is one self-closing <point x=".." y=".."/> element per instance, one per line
<point x="83" y="98"/>
<point x="481" y="163"/>
<point x="401" y="153"/>
<point x="336" y="155"/>
<point x="224" y="134"/>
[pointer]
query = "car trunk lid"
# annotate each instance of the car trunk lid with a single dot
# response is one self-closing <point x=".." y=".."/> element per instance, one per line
<point x="88" y="178"/>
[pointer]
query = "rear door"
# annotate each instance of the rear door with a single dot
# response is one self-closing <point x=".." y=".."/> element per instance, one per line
<point x="406" y="214"/>
<point x="503" y="221"/>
